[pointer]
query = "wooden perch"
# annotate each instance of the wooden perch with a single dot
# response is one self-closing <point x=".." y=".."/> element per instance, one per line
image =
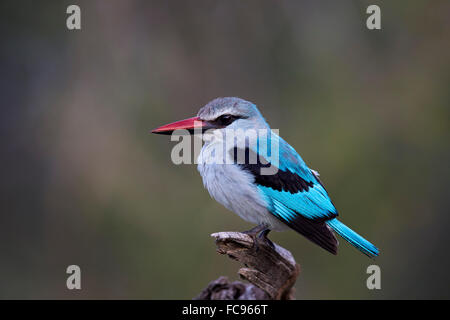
<point x="271" y="272"/>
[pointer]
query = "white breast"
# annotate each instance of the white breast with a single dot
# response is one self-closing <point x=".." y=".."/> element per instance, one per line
<point x="233" y="187"/>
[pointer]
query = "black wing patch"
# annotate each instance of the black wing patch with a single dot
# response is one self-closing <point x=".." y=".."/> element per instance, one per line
<point x="316" y="231"/>
<point x="281" y="181"/>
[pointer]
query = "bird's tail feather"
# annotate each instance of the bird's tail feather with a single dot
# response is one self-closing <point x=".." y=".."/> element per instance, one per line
<point x="355" y="239"/>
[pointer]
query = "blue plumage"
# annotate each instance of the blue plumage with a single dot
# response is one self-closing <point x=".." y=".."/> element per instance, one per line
<point x="278" y="190"/>
<point x="355" y="239"/>
<point x="310" y="206"/>
<point x="313" y="203"/>
<point x="308" y="209"/>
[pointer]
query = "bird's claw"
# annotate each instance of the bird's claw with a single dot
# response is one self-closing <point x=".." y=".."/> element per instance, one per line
<point x="263" y="235"/>
<point x="253" y="232"/>
<point x="259" y="233"/>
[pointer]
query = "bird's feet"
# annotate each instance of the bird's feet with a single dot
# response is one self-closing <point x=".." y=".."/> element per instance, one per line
<point x="259" y="233"/>
<point x="253" y="232"/>
<point x="263" y="236"/>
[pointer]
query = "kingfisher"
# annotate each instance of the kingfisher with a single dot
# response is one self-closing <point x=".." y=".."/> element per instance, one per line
<point x="261" y="178"/>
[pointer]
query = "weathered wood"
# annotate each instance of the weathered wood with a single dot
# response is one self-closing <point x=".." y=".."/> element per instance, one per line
<point x="223" y="289"/>
<point x="272" y="272"/>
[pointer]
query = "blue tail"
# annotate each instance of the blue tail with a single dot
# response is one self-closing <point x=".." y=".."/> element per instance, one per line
<point x="355" y="239"/>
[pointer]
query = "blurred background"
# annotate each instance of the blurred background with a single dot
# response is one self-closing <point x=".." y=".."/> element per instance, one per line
<point x="83" y="182"/>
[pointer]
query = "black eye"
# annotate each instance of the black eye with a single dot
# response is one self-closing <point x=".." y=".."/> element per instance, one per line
<point x="225" y="119"/>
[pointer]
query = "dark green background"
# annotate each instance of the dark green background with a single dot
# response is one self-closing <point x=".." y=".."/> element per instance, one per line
<point x="82" y="181"/>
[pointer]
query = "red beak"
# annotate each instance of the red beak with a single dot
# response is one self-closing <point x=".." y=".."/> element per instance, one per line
<point x="186" y="124"/>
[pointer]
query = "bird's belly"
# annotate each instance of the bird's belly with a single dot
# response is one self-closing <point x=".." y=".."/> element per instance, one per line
<point x="235" y="190"/>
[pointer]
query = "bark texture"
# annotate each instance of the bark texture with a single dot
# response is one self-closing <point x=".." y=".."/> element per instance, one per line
<point x="271" y="272"/>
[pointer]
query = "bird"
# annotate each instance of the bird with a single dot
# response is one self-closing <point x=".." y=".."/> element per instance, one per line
<point x="292" y="196"/>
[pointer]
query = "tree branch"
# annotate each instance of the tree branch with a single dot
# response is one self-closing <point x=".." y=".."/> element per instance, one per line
<point x="271" y="272"/>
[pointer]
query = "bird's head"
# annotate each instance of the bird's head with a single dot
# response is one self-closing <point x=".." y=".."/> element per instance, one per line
<point x="220" y="114"/>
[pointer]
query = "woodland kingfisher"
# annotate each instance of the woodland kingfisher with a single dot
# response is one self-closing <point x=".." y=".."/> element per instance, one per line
<point x="290" y="196"/>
